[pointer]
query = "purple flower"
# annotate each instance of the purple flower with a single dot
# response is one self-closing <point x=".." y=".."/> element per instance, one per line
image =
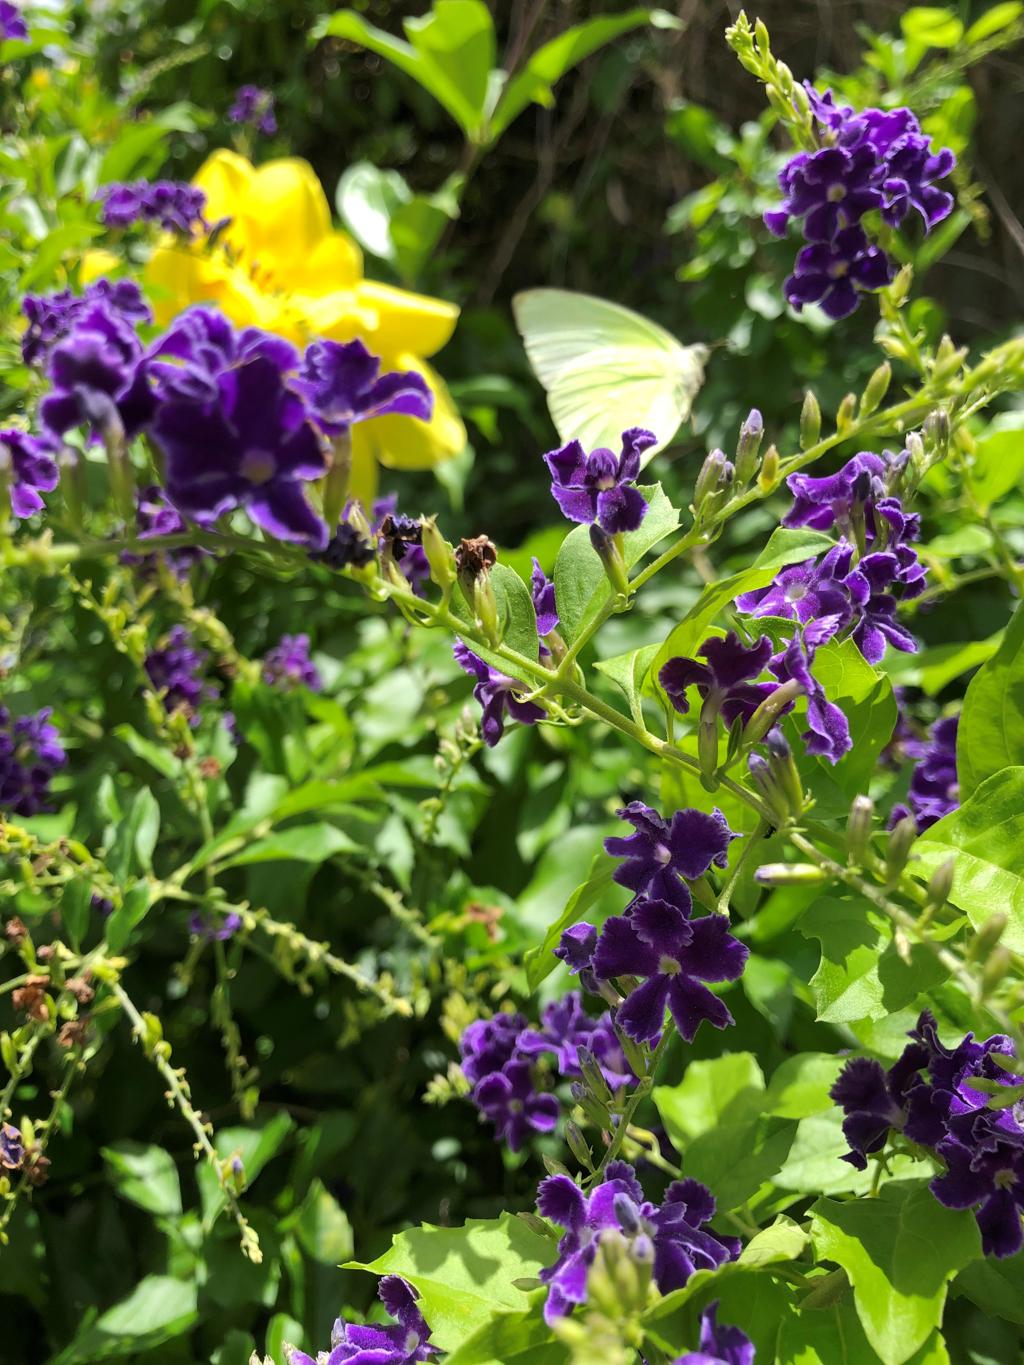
<point x="576" y="947"/>
<point x="51" y="316"/>
<point x="496" y="694"/>
<point x="154" y="518"/>
<point x="542" y="591"/>
<point x="176" y="670"/>
<point x="12" y="1149"/>
<point x="342" y="385"/>
<point x="252" y="447"/>
<point x="688" y="845"/>
<point x="351" y="1344"/>
<point x="288" y="665"/>
<point x="675" y="956"/>
<point x="347" y="548"/>
<point x="30" y="754"/>
<point x="12" y="25"/>
<point x="807" y="591"/>
<point x="830" y="501"/>
<point x="719" y="1344"/>
<point x="28" y="464"/>
<point x="255" y="107"/>
<point x="672" y="1233"/>
<point x="875" y="608"/>
<point x="830" y="189"/>
<point x="173" y="205"/>
<point x="97" y="377"/>
<point x="724" y="680"/>
<point x="487" y="1044"/>
<point x="934" y="787"/>
<point x="835" y="273"/>
<point x="510" y="1101"/>
<point x="600" y="487"/>
<point x="565" y="1029"/>
<point x="211" y="929"/>
<point x="828" y="732"/>
<point x="401" y="538"/>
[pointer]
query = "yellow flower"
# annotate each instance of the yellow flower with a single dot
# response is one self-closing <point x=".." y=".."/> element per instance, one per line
<point x="279" y="265"/>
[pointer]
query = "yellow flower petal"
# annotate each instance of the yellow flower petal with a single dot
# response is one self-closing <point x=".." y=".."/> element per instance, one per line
<point x="337" y="263"/>
<point x="96" y="263"/>
<point x="406" y="442"/>
<point x="224" y="178"/>
<point x="365" y="477"/>
<point x="408" y="322"/>
<point x="285" y="216"/>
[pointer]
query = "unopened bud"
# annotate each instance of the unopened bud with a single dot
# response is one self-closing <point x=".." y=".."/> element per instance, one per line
<point x="987" y="937"/>
<point x="761" y="776"/>
<point x="761" y="37"/>
<point x="593" y="1075"/>
<point x="801" y="100"/>
<point x="897" y="851"/>
<point x="936" y="432"/>
<point x="784" y="770"/>
<point x="707" y="750"/>
<point x="899" y="290"/>
<point x="338" y="476"/>
<point x="749" y="445"/>
<point x="554" y="1167"/>
<point x="440" y="555"/>
<point x="578" y="1145"/>
<point x="875" y="389"/>
<point x="810" y="421"/>
<point x="474" y="560"/>
<point x="941" y="884"/>
<point x="627" y="1213"/>
<point x="768" y="713"/>
<point x="710" y="478"/>
<point x="789" y="874"/>
<point x="634" y="1052"/>
<point x="998" y="966"/>
<point x="845" y="415"/>
<point x="596" y="1112"/>
<point x="769" y="475"/>
<point x="610" y="552"/>
<point x="858" y="827"/>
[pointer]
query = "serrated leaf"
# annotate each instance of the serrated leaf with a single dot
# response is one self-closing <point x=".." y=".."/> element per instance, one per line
<point x="991" y="731"/>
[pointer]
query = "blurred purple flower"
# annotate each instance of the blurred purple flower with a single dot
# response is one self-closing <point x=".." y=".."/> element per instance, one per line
<point x="30" y="754"/>
<point x="173" y="205"/>
<point x="255" y="107"/>
<point x="288" y="665"/>
<point x="176" y="669"/>
<point x="719" y="1344"/>
<point x="496" y="694"/>
<point x="28" y="465"/>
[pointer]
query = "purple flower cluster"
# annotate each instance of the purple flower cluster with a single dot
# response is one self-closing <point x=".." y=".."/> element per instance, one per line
<point x="497" y="695"/>
<point x="29" y="467"/>
<point x="288" y="665"/>
<point x="12" y="24"/>
<point x="657" y="940"/>
<point x="719" y="1344"/>
<point x="154" y="518"/>
<point x="600" y="488"/>
<point x="255" y="107"/>
<point x="30" y="754"/>
<point x="930" y="1096"/>
<point x="499" y="1060"/>
<point x="241" y="419"/>
<point x="934" y="787"/>
<point x="173" y="205"/>
<point x="408" y="1340"/>
<point x="855" y="587"/>
<point x="176" y="669"/>
<point x="52" y="316"/>
<point x="672" y="1237"/>
<point x="875" y="160"/>
<point x="214" y="930"/>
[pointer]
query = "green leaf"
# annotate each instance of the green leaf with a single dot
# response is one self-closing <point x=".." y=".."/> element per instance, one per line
<point x="512" y="1336"/>
<point x="991" y="733"/>
<point x="784" y="547"/>
<point x="515" y="612"/>
<point x="934" y="668"/>
<point x="76" y="909"/>
<point x="254" y="1146"/>
<point x="996" y="1286"/>
<point x="736" y="1159"/>
<point x="861" y="974"/>
<point x="539" y="961"/>
<point x="985" y="836"/>
<point x="747" y="1296"/>
<point x="932" y="25"/>
<point x="134" y="907"/>
<point x="450" y="53"/>
<point x="135" y="838"/>
<point x="145" y="1175"/>
<point x="367" y="199"/>
<point x="731" y="1086"/>
<point x="581" y="587"/>
<point x="549" y="64"/>
<point x="628" y="671"/>
<point x="800" y="1086"/>
<point x="833" y="1335"/>
<point x="313" y="843"/>
<point x="994" y="20"/>
<point x="464" y="1275"/>
<point x="322" y="1227"/>
<point x="900" y="1252"/>
<point x="865" y="696"/>
<point x="783" y="1241"/>
<point x="158" y="1309"/>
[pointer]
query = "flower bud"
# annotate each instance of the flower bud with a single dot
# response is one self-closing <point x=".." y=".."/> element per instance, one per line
<point x="707" y="751"/>
<point x="784" y="770"/>
<point x="810" y="421"/>
<point x="899" y="290"/>
<point x="897" y="851"/>
<point x="593" y="1074"/>
<point x="761" y="776"/>
<point x="998" y="966"/>
<point x="789" y="874"/>
<point x="847" y="409"/>
<point x="936" y="432"/>
<point x="337" y="479"/>
<point x="440" y="555"/>
<point x="987" y="937"/>
<point x="610" y="552"/>
<point x="627" y="1213"/>
<point x="553" y="1167"/>
<point x="710" y="478"/>
<point x="858" y="827"/>
<point x="875" y="389"/>
<point x="597" y="1113"/>
<point x="766" y="715"/>
<point x="941" y="884"/>
<point x="769" y="475"/>
<point x="761" y="37"/>
<point x="474" y="560"/>
<point x="748" y="446"/>
<point x="578" y="1145"/>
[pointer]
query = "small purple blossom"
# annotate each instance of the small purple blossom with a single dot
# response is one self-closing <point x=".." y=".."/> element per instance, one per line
<point x="211" y="929"/>
<point x="723" y="681"/>
<point x="835" y="273"/>
<point x="12" y="24"/>
<point x="96" y="377"/>
<point x="719" y="1344"/>
<point x="487" y="1044"/>
<point x="155" y="518"/>
<point x="347" y="548"/>
<point x="674" y="1232"/>
<point x="934" y="787"/>
<point x="601" y="487"/>
<point x="565" y="1029"/>
<point x="28" y="464"/>
<point x="288" y="665"/>
<point x="674" y="956"/>
<point x="12" y="1148"/>
<point x="497" y="695"/>
<point x="407" y="1341"/>
<point x="51" y="316"/>
<point x="176" y="669"/>
<point x="542" y="590"/>
<point x="509" y="1099"/>
<point x="30" y="754"/>
<point x="401" y="538"/>
<point x="255" y="107"/>
<point x="173" y="205"/>
<point x="576" y="947"/>
<point x="689" y="844"/>
<point x="828" y="730"/>
<point x="342" y="384"/>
